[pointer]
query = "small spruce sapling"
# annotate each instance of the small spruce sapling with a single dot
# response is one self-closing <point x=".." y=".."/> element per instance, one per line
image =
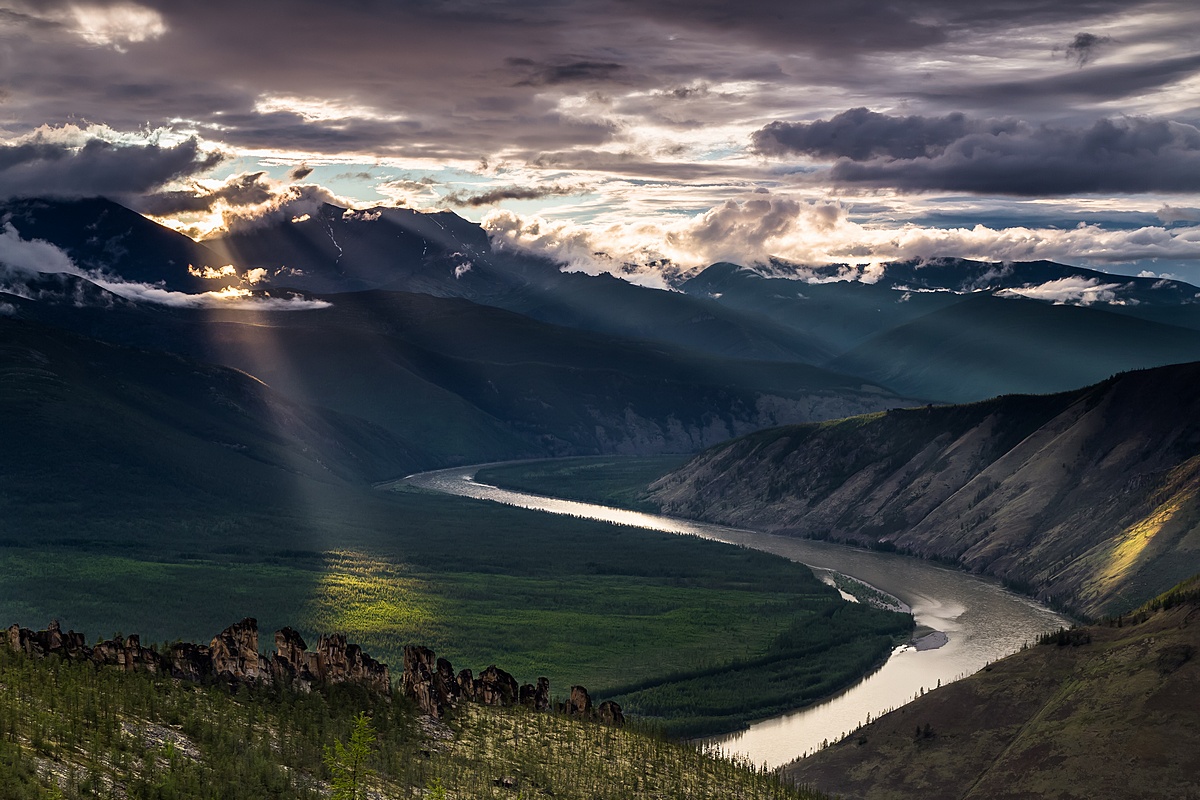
<point x="348" y="765"/>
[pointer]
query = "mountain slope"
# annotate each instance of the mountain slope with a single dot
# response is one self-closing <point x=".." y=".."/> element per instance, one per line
<point x="335" y="250"/>
<point x="102" y="236"/>
<point x="960" y="330"/>
<point x="97" y="421"/>
<point x="1088" y="498"/>
<point x="461" y="382"/>
<point x="984" y="346"/>
<point x="1107" y="711"/>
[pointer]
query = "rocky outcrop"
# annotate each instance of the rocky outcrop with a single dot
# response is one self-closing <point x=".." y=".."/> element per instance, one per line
<point x="418" y="681"/>
<point x="609" y="712"/>
<point x="232" y="656"/>
<point x="495" y="687"/>
<point x="338" y="661"/>
<point x="536" y="697"/>
<point x="190" y="662"/>
<point x="235" y="653"/>
<point x="334" y="661"/>
<point x="51" y="640"/>
<point x="579" y="703"/>
<point x="431" y="683"/>
<point x="292" y="658"/>
<point x="128" y="654"/>
<point x="466" y="685"/>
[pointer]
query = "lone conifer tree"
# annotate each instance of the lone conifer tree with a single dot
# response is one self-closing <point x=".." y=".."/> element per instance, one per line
<point x="348" y="764"/>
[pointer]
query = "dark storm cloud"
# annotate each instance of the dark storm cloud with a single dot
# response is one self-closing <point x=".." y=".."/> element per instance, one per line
<point x="1083" y="47"/>
<point x="1115" y="156"/>
<point x="460" y="79"/>
<point x="854" y="28"/>
<point x="47" y="168"/>
<point x="577" y="71"/>
<point x="502" y="193"/>
<point x="860" y="134"/>
<point x="240" y="190"/>
<point x="1095" y="84"/>
<point x="300" y="173"/>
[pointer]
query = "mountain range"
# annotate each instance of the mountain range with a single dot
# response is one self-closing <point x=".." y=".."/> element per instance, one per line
<point x="392" y="341"/>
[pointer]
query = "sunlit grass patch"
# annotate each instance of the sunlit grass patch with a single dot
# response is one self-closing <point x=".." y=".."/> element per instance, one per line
<point x="358" y="594"/>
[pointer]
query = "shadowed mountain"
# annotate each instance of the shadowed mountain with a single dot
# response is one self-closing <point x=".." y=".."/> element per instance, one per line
<point x="335" y="250"/>
<point x="1090" y="498"/>
<point x="983" y="346"/>
<point x="103" y="237"/>
<point x="461" y="382"/>
<point x="839" y="314"/>
<point x="88" y="422"/>
<point x="1105" y="711"/>
<point x="959" y="330"/>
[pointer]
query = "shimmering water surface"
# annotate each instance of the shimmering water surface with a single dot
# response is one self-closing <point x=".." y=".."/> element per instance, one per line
<point x="983" y="621"/>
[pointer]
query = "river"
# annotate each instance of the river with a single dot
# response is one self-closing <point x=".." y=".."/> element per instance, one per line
<point x="982" y="621"/>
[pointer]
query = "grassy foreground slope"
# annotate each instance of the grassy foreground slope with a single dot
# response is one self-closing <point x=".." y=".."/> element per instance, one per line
<point x="70" y="730"/>
<point x="1105" y="711"/>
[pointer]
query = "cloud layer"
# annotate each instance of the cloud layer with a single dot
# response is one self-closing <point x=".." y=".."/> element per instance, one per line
<point x="954" y="153"/>
<point x="40" y="166"/>
<point x="613" y="115"/>
<point x="24" y="259"/>
<point x="756" y="227"/>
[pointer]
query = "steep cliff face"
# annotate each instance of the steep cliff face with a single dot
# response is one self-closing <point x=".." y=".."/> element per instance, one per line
<point x="1086" y="497"/>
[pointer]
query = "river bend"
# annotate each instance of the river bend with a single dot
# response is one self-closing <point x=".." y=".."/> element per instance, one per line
<point x="982" y="621"/>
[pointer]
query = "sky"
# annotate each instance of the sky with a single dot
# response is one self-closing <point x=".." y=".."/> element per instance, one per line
<point x="631" y="136"/>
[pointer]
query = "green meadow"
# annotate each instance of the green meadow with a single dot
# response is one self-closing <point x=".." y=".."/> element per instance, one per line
<point x="623" y="611"/>
<point x="608" y="480"/>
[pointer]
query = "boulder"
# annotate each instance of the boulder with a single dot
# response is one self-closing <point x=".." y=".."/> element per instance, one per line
<point x="610" y="713"/>
<point x="579" y="704"/>
<point x="541" y="695"/>
<point x="495" y="687"/>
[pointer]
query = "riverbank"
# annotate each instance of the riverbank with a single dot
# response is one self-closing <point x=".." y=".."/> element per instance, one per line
<point x="981" y="620"/>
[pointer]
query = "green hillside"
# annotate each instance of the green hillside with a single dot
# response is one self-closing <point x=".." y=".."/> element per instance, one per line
<point x="72" y="730"/>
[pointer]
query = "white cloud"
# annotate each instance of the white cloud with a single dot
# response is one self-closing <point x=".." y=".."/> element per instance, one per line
<point x="229" y="297"/>
<point x="118" y="25"/>
<point x="32" y="255"/>
<point x="1072" y="290"/>
<point x="21" y="259"/>
<point x="751" y="228"/>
